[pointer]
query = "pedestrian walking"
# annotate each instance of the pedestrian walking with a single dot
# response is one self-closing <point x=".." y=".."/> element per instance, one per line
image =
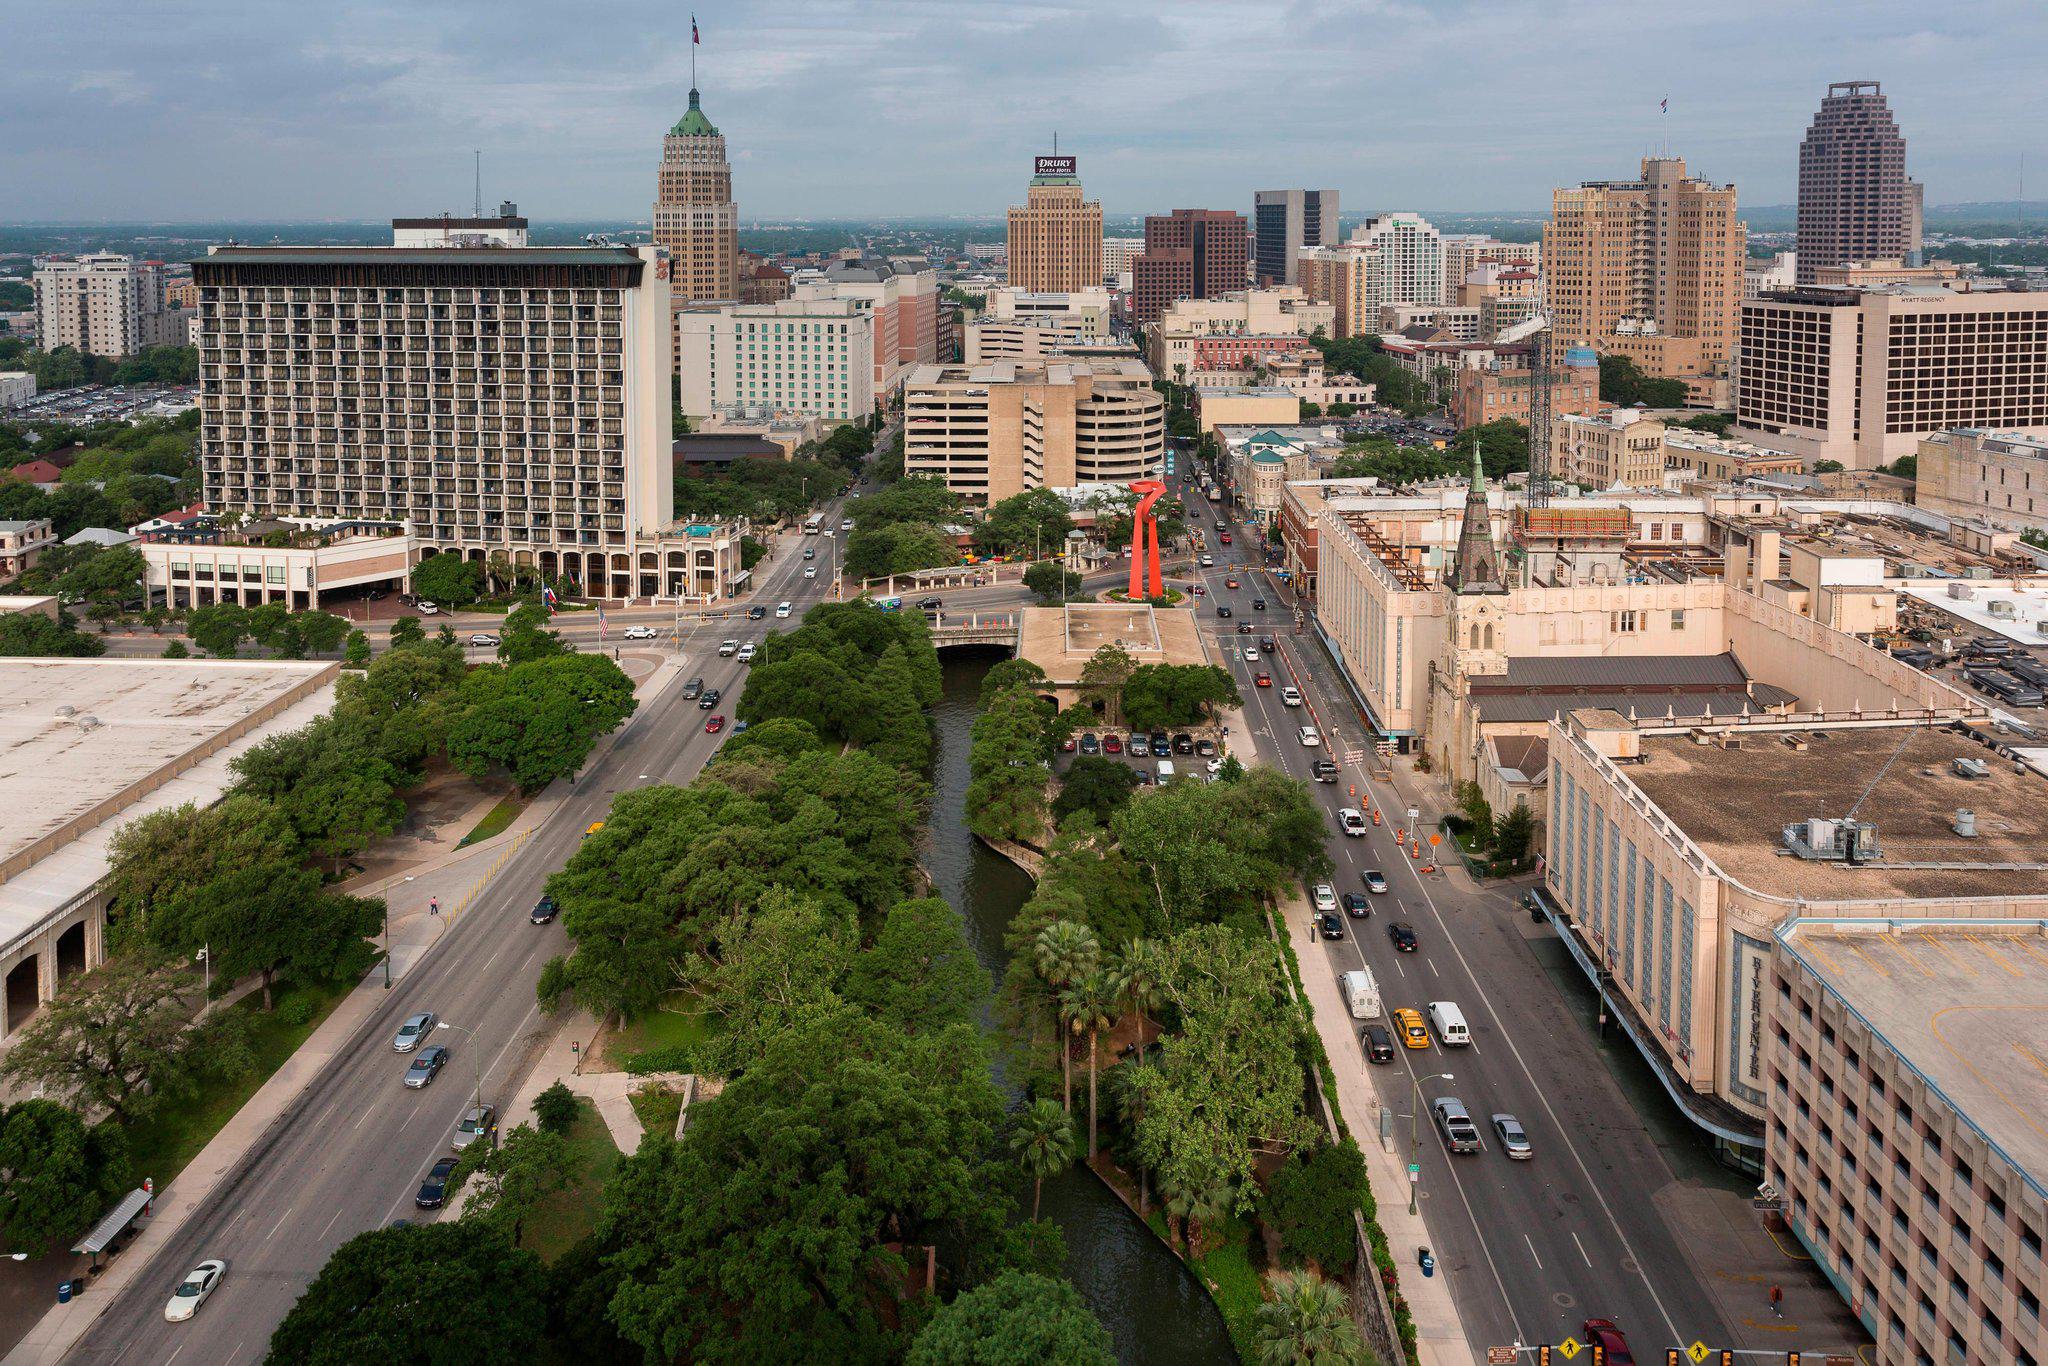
<point x="1777" y="1301"/>
<point x="433" y="905"/>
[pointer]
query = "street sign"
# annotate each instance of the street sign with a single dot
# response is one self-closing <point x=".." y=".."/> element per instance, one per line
<point x="1699" y="1352"/>
<point x="1414" y="815"/>
<point x="1571" y="1347"/>
<point x="1500" y="1356"/>
<point x="1435" y="839"/>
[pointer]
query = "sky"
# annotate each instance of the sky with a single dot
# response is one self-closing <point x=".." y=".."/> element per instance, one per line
<point x="184" y="110"/>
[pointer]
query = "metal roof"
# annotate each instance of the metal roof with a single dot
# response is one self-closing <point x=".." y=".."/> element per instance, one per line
<point x="1594" y="673"/>
<point x="114" y="1224"/>
<point x="424" y="256"/>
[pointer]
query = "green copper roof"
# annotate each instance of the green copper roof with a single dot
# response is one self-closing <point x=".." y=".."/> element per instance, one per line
<point x="693" y="124"/>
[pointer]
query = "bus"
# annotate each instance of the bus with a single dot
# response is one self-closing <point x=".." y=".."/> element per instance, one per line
<point x="814" y="524"/>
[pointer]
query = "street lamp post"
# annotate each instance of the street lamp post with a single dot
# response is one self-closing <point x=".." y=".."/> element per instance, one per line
<point x="476" y="1060"/>
<point x="205" y="956"/>
<point x="1415" y="1135"/>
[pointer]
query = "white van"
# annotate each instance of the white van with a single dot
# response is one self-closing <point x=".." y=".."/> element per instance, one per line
<point x="1362" y="994"/>
<point x="1166" y="772"/>
<point x="1449" y="1023"/>
<point x="1351" y="820"/>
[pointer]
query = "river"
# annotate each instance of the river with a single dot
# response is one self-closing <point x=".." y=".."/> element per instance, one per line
<point x="1152" y="1305"/>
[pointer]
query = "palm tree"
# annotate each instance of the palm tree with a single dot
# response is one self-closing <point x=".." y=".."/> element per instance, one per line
<point x="1308" y="1323"/>
<point x="1198" y="1207"/>
<point x="1139" y="975"/>
<point x="1044" y="1145"/>
<point x="1065" y="952"/>
<point x="1090" y="1006"/>
<point x="1131" y="1087"/>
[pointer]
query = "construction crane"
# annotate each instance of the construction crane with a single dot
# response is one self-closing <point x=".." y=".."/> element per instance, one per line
<point x="1536" y="331"/>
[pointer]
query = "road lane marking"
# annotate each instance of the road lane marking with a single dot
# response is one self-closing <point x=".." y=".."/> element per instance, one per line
<point x="1532" y="1251"/>
<point x="278" y="1225"/>
<point x="359" y="1123"/>
<point x="330" y="1224"/>
<point x="174" y="1356"/>
<point x="1581" y="1247"/>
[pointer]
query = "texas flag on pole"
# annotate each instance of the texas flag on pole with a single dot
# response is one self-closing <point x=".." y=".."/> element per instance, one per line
<point x="695" y="41"/>
<point x="1663" y="105"/>
<point x="547" y="595"/>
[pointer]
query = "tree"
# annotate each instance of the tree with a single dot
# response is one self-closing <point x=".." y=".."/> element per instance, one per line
<point x="1624" y="383"/>
<point x="322" y="632"/>
<point x="33" y="635"/>
<point x="1052" y="581"/>
<point x="56" y="1174"/>
<point x="356" y="654"/>
<point x="1197" y="1205"/>
<point x="508" y="1180"/>
<point x="1478" y="815"/>
<point x="1828" y="467"/>
<point x="1503" y="446"/>
<point x="1157" y="696"/>
<point x="538" y="720"/>
<point x="874" y="552"/>
<point x="1065" y="952"/>
<point x="921" y="973"/>
<point x="448" y="580"/>
<point x="408" y="631"/>
<point x="159" y="856"/>
<point x="1043" y="1143"/>
<point x="1310" y="1201"/>
<point x="110" y="573"/>
<point x="176" y="650"/>
<point x="1033" y="522"/>
<point x="219" y="628"/>
<point x="1308" y="1323"/>
<point x="1014" y="1320"/>
<point x="1011" y="673"/>
<point x="782" y="961"/>
<point x="1090" y="1007"/>
<point x="122" y="1040"/>
<point x="555" y="1109"/>
<point x="445" y="1294"/>
<point x="270" y="919"/>
<point x="1513" y="833"/>
<point x="1102" y="681"/>
<point x="1096" y="785"/>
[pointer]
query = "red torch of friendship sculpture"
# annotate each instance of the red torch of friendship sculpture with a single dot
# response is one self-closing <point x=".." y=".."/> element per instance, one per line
<point x="1145" y="543"/>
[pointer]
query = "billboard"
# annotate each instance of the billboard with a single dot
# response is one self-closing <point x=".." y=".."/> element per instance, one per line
<point x="1047" y="166"/>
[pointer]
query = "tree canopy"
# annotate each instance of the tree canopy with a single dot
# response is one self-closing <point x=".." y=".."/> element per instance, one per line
<point x="1017" y="1319"/>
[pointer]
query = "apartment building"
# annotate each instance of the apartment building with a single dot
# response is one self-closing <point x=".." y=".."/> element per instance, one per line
<point x="1189" y="254"/>
<point x="695" y="218"/>
<point x="1862" y="376"/>
<point x="490" y="400"/>
<point x="1055" y="242"/>
<point x="1411" y="257"/>
<point x="1970" y="472"/>
<point x="1650" y="268"/>
<point x="903" y="302"/>
<point x="801" y="355"/>
<point x="17" y="389"/>
<point x="1465" y="252"/>
<point x="22" y="542"/>
<point x="1349" y="279"/>
<point x="1481" y="394"/>
<point x="1117" y="255"/>
<point x="1855" y="201"/>
<point x="1194" y="337"/>
<point x="997" y="429"/>
<point x="1284" y="223"/>
<point x="104" y="304"/>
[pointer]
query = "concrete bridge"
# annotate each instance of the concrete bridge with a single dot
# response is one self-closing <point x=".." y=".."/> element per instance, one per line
<point x="975" y="628"/>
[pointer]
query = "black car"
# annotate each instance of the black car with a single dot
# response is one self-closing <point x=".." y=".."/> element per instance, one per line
<point x="1403" y="935"/>
<point x="1221" y="610"/>
<point x="755" y="613"/>
<point x="709" y="699"/>
<point x="1258" y="604"/>
<point x="1162" y="743"/>
<point x="1244" y="628"/>
<point x="1091" y="744"/>
<point x="543" y="911"/>
<point x="930" y="604"/>
<point x="1266" y="644"/>
<point x="434" y="1189"/>
<point x="1356" y="906"/>
<point x="1379" y="1045"/>
<point x="1324" y="770"/>
<point x="1183" y="744"/>
<point x="1330" y="925"/>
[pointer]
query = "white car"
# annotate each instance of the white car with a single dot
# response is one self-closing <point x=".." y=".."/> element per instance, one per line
<point x="746" y="654"/>
<point x="427" y="609"/>
<point x="1325" y="896"/>
<point x="810" y="571"/>
<point x="640" y="633"/>
<point x="1311" y="737"/>
<point x="783" y="609"/>
<point x="1290" y="696"/>
<point x="1216" y="764"/>
<point x="728" y="648"/>
<point x="1208" y="561"/>
<point x="1251" y="654"/>
<point x="483" y="638"/>
<point x="199" y="1283"/>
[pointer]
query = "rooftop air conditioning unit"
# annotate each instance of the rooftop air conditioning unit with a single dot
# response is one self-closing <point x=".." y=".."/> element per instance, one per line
<point x="1972" y="768"/>
<point x="1966" y="823"/>
<point x="1962" y="592"/>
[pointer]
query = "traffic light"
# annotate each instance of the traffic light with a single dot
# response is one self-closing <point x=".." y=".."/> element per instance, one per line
<point x="1596" y="1355"/>
<point x="1672" y="1356"/>
<point x="1543" y="1355"/>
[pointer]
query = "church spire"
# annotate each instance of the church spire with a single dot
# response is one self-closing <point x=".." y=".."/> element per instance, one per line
<point x="1477" y="566"/>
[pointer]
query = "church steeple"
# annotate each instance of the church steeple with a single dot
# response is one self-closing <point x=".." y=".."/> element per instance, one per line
<point x="1477" y="566"/>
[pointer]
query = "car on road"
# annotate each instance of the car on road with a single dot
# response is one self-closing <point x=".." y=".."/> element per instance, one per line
<point x="1403" y="935"/>
<point x="1268" y="644"/>
<point x="1198" y="590"/>
<point x="1244" y="628"/>
<point x="1454" y="1122"/>
<point x="1603" y="1334"/>
<point x="433" y="1192"/>
<point x="810" y="571"/>
<point x="1311" y="737"/>
<point x="482" y="638"/>
<point x="640" y="633"/>
<point x="810" y="552"/>
<point x="1329" y="925"/>
<point x="846" y="524"/>
<point x="415" y="1028"/>
<point x="1251" y="654"/>
<point x="756" y="612"/>
<point x="1351" y="821"/>
<point x="1230" y="583"/>
<point x="198" y="1285"/>
<point x="426" y="1066"/>
<point x="1258" y="604"/>
<point x="1377" y="1042"/>
<point x="1223" y="536"/>
<point x="1208" y="561"/>
<point x="1324" y="896"/>
<point x="714" y="725"/>
<point x="783" y="609"/>
<point x="1262" y="679"/>
<point x="1356" y="906"/>
<point x="747" y="653"/>
<point x="1323" y="770"/>
<point x="477" y="1122"/>
<point x="543" y="911"/>
<point x="1375" y="881"/>
<point x="1414" y="1032"/>
<point x="930" y="604"/>
<point x="709" y="699"/>
<point x="595" y="826"/>
<point x="1222" y="610"/>
<point x="728" y="648"/>
<point x="1514" y="1140"/>
<point x="1091" y="743"/>
<point x="1112" y="744"/>
<point x="693" y="689"/>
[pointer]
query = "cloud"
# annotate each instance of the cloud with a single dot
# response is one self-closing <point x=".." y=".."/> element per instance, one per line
<point x="363" y="108"/>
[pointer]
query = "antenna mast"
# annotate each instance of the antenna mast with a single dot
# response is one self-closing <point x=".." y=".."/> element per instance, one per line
<point x="478" y="212"/>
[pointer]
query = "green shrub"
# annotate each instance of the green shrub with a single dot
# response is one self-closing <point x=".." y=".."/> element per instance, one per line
<point x="554" y="1109"/>
<point x="1310" y="1200"/>
<point x="295" y="1010"/>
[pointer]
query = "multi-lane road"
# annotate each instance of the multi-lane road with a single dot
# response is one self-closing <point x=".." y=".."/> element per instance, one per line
<point x="1532" y="1249"/>
<point x="348" y="1155"/>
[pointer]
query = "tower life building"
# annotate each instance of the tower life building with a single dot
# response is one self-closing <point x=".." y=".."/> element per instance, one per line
<point x="1284" y="223"/>
<point x="1055" y="235"/>
<point x="694" y="215"/>
<point x="1855" y="202"/>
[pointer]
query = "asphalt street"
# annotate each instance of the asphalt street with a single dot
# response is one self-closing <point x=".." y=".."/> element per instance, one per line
<point x="348" y="1155"/>
<point x="1532" y="1248"/>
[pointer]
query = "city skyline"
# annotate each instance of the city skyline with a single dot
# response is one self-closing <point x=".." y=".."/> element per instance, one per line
<point x="224" y="110"/>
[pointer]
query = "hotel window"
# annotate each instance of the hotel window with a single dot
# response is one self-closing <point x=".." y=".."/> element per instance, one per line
<point x="1664" y="918"/>
<point x="1628" y="924"/>
<point x="1686" y="929"/>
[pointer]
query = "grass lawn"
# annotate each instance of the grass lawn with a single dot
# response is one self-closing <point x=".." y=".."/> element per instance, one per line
<point x="174" y="1135"/>
<point x="495" y="820"/>
<point x="659" y="1107"/>
<point x="676" y="1024"/>
<point x="1226" y="1270"/>
<point x="565" y="1216"/>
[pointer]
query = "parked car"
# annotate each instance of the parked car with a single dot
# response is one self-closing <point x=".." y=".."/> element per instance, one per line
<point x="1112" y="744"/>
<point x="427" y="609"/>
<point x="1329" y="925"/>
<point x="197" y="1287"/>
<point x="415" y="1028"/>
<point x="1091" y="743"/>
<point x="1183" y="743"/>
<point x="1205" y="747"/>
<point x="1514" y="1140"/>
<point x="640" y="633"/>
<point x="1378" y="1043"/>
<point x="543" y="911"/>
<point x="1067" y="745"/>
<point x="1324" y="896"/>
<point x="1140" y="747"/>
<point x="433" y="1192"/>
<point x="1403" y="935"/>
<point x="1414" y="1033"/>
<point x="426" y="1066"/>
<point x="477" y="1122"/>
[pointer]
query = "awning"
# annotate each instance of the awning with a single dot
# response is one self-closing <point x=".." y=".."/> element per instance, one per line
<point x="115" y="1224"/>
<point x="735" y="580"/>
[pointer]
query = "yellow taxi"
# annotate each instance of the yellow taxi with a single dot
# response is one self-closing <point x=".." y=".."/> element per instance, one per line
<point x="596" y="826"/>
<point x="1414" y="1032"/>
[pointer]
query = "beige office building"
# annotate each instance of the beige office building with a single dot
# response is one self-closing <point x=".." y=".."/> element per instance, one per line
<point x="1649" y="268"/>
<point x="810" y="356"/>
<point x="1601" y="450"/>
<point x="1348" y="278"/>
<point x="1861" y="377"/>
<point x="1056" y="235"/>
<point x="1016" y="324"/>
<point x="695" y="218"/>
<point x="105" y="304"/>
<point x="997" y="429"/>
<point x="2001" y="476"/>
<point x="1467" y="252"/>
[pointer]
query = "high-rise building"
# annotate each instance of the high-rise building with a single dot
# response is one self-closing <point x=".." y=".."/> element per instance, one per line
<point x="1117" y="255"/>
<point x="997" y="429"/>
<point x="1411" y="257"/>
<point x="1855" y="202"/>
<point x="694" y="214"/>
<point x="902" y="301"/>
<point x="1189" y="254"/>
<point x="814" y="356"/>
<point x="1284" y="222"/>
<point x="1055" y="235"/>
<point x="495" y="399"/>
<point x="1860" y="376"/>
<point x="1348" y="277"/>
<point x="1465" y="252"/>
<point x="104" y="304"/>
<point x="1650" y="268"/>
<point x="1016" y="325"/>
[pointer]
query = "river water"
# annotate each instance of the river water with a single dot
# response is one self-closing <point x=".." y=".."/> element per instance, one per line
<point x="1152" y="1305"/>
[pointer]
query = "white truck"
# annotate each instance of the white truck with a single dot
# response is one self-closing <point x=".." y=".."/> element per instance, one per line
<point x="1362" y="994"/>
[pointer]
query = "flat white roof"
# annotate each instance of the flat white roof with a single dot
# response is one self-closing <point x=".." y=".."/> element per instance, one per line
<point x="2028" y="623"/>
<point x="148" y="714"/>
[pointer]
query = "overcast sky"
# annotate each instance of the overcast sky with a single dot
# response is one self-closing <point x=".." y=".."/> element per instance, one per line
<point x="360" y="109"/>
